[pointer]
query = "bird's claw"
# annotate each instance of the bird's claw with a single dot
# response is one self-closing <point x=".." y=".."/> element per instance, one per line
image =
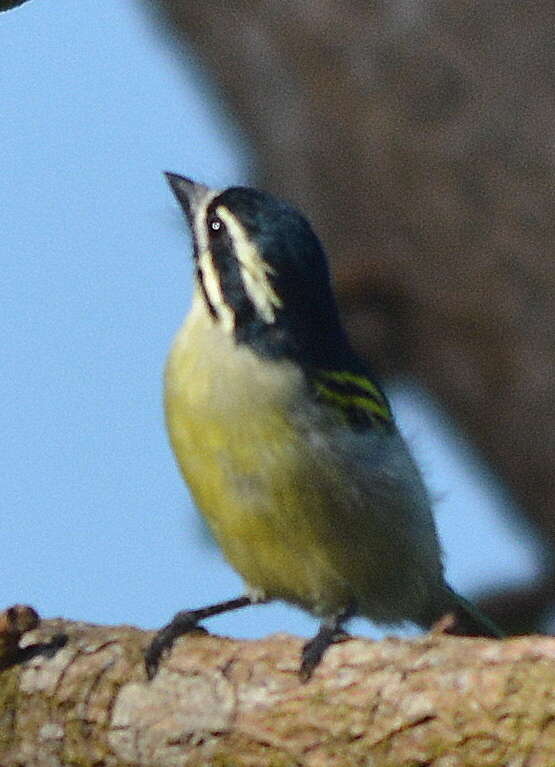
<point x="182" y="623"/>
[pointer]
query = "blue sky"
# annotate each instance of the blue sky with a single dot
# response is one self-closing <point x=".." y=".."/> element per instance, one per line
<point x="95" y="520"/>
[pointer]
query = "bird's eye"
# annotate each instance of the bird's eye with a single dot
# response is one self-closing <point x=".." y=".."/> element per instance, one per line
<point x="214" y="224"/>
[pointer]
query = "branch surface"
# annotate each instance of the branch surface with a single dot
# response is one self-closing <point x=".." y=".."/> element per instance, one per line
<point x="436" y="701"/>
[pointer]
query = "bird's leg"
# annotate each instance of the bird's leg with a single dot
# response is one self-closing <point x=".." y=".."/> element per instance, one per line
<point x="183" y="622"/>
<point x="330" y="631"/>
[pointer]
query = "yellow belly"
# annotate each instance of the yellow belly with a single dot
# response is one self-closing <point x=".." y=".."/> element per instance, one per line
<point x="297" y="518"/>
<point x="250" y="471"/>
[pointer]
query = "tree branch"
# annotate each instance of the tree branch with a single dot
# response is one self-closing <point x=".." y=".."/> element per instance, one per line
<point x="219" y="701"/>
<point x="7" y="5"/>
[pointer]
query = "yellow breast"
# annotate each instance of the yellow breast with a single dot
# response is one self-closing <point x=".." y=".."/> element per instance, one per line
<point x="235" y="434"/>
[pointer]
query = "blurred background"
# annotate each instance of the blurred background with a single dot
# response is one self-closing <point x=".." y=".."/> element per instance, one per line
<point x="418" y="137"/>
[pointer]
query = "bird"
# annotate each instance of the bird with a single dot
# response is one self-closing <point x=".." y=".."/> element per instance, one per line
<point x="286" y="439"/>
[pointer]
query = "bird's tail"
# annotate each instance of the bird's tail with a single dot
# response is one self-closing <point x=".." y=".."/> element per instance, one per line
<point x="465" y="618"/>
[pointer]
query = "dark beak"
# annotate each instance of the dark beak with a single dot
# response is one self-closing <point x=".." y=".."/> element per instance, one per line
<point x="187" y="192"/>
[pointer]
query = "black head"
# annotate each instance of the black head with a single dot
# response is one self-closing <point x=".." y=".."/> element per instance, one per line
<point x="263" y="273"/>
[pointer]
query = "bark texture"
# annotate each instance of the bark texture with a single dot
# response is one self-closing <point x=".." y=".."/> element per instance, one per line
<point x="439" y="701"/>
<point x="418" y="136"/>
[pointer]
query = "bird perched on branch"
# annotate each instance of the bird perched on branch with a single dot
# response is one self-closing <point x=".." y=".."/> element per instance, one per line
<point x="286" y="440"/>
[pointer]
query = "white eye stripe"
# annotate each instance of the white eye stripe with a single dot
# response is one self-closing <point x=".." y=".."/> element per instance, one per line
<point x="254" y="270"/>
<point x="213" y="288"/>
<point x="199" y="223"/>
<point x="209" y="275"/>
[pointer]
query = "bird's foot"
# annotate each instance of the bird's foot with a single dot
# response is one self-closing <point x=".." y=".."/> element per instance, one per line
<point x="182" y="623"/>
<point x="313" y="651"/>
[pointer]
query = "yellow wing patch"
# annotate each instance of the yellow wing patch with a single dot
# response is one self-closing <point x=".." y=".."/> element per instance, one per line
<point x="359" y="400"/>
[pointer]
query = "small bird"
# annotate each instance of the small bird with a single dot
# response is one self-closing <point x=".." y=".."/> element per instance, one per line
<point x="286" y="440"/>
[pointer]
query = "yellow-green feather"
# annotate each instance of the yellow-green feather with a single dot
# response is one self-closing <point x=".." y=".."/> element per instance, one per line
<point x="274" y="494"/>
<point x="353" y="395"/>
<point x="243" y="461"/>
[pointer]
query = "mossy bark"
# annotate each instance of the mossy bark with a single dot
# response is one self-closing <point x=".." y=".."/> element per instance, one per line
<point x="437" y="700"/>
